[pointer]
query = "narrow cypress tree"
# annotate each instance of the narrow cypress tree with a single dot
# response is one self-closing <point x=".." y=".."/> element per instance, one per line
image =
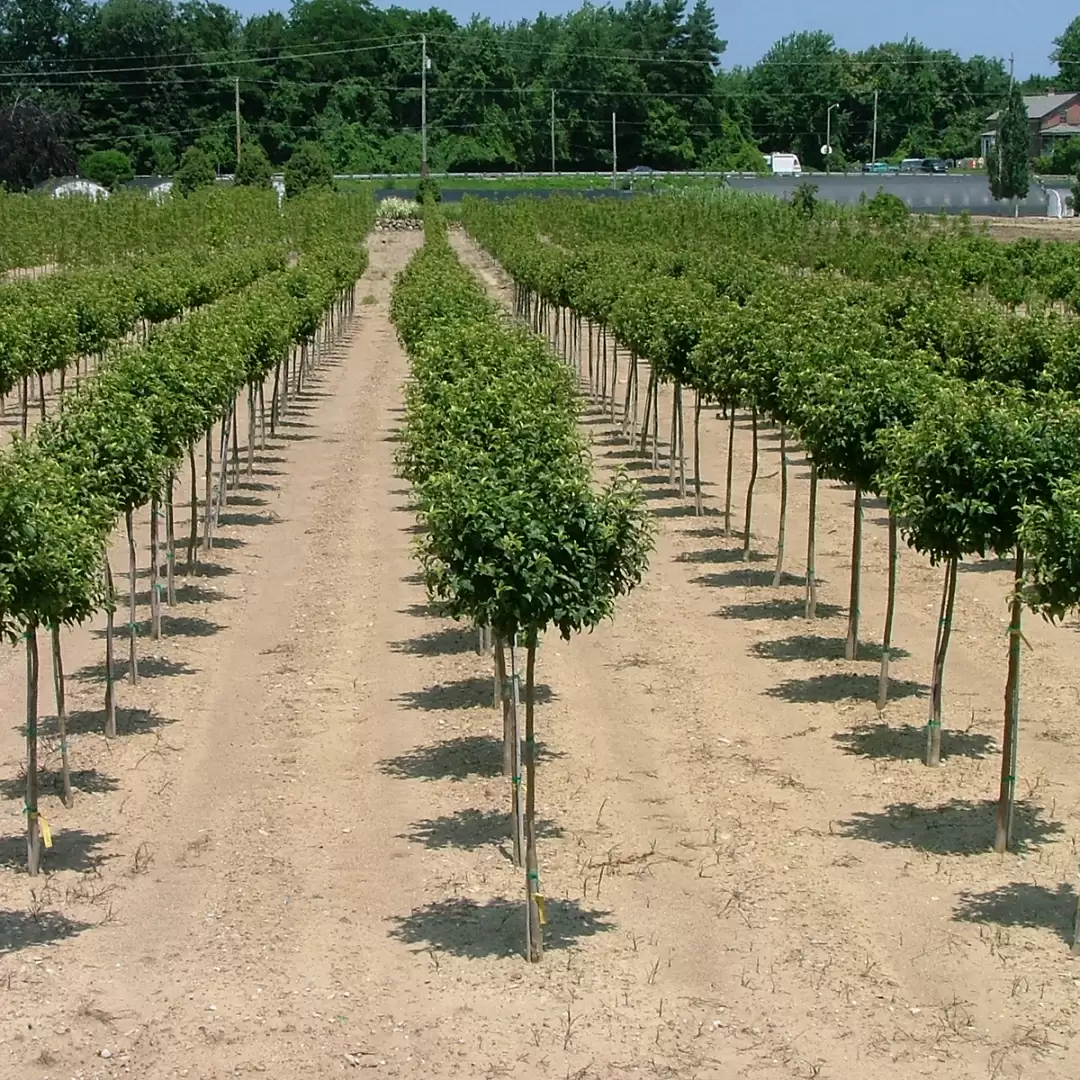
<point x="1008" y="163"/>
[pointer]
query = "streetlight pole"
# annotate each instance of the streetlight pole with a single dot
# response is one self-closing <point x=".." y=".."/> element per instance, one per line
<point x="614" y="156"/>
<point x="237" y="123"/>
<point x="423" y="105"/>
<point x="828" y="133"/>
<point x="873" y="153"/>
<point x="552" y="132"/>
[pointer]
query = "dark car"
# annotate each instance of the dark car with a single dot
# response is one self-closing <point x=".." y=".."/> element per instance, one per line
<point x="878" y="167"/>
<point x="934" y="165"/>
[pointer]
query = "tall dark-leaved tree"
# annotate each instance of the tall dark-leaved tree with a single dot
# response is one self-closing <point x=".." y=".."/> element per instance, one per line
<point x="1008" y="163"/>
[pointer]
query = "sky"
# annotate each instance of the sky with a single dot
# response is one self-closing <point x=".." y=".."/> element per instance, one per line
<point x="969" y="27"/>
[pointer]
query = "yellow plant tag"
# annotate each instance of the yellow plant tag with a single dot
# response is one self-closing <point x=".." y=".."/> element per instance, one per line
<point x="540" y="906"/>
<point x="46" y="832"/>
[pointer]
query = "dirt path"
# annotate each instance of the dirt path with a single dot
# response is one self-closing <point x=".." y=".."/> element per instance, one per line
<point x="293" y="863"/>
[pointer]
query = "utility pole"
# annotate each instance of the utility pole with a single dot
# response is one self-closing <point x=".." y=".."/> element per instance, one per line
<point x="237" y="122"/>
<point x="552" y="132"/>
<point x="828" y="134"/>
<point x="614" y="156"/>
<point x="873" y="153"/>
<point x="423" y="106"/>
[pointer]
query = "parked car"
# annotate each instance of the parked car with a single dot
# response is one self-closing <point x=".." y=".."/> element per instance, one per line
<point x="912" y="165"/>
<point x="878" y="167"/>
<point x="935" y="165"/>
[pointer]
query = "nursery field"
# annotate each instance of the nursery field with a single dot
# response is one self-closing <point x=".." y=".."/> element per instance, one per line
<point x="316" y="518"/>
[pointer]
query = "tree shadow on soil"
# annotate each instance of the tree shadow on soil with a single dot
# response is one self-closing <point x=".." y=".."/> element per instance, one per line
<point x="842" y="686"/>
<point x="744" y="577"/>
<point x="818" y="647"/>
<point x="171" y="626"/>
<point x="472" y="693"/>
<point x="908" y="743"/>
<point x="455" y="759"/>
<point x="92" y="722"/>
<point x="22" y="929"/>
<point x="719" y="555"/>
<point x="453" y="640"/>
<point x="186" y="593"/>
<point x="150" y="667"/>
<point x="466" y="928"/>
<point x="73" y="849"/>
<point x="210" y="569"/>
<point x="958" y="827"/>
<point x="471" y="829"/>
<point x="776" y="609"/>
<point x="227" y="519"/>
<point x="1022" y="904"/>
<point x="88" y="781"/>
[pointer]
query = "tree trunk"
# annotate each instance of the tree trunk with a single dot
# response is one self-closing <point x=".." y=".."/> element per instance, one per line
<point x="730" y="467"/>
<point x="170" y="543"/>
<point x="133" y="658"/>
<point x="61" y="712"/>
<point x="750" y="486"/>
<point x="504" y="701"/>
<point x="24" y="402"/>
<point x="110" y="681"/>
<point x="626" y="430"/>
<point x="614" y="377"/>
<point x="262" y="415"/>
<point x="778" y="576"/>
<point x="673" y="447"/>
<point x="33" y="824"/>
<point x="535" y="936"/>
<point x="697" y="453"/>
<point x="155" y="565"/>
<point x="645" y="423"/>
<point x="811" y="546"/>
<point x="251" y="431"/>
<point x="41" y="393"/>
<point x="933" y="726"/>
<point x="517" y="792"/>
<point x="656" y="424"/>
<point x="208" y="486"/>
<point x="235" y="448"/>
<point x="274" y="399"/>
<point x="890" y="611"/>
<point x="1006" y="810"/>
<point x="193" y="524"/>
<point x="851" y="646"/>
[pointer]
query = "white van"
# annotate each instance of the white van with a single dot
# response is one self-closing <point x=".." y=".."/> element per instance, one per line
<point x="784" y="164"/>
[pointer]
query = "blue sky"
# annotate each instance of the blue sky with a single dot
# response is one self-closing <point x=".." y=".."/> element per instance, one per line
<point x="987" y="27"/>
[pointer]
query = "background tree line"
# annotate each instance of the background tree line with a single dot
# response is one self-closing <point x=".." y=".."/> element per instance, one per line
<point x="153" y="77"/>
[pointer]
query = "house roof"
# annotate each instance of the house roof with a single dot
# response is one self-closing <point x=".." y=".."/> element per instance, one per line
<point x="1040" y="105"/>
<point x="1061" y="129"/>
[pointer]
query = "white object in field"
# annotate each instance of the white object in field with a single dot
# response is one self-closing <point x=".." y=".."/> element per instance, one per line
<point x="784" y="164"/>
<point x="87" y="188"/>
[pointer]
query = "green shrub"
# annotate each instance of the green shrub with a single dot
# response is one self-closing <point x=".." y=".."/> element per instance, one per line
<point x="107" y="167"/>
<point x="804" y="199"/>
<point x="253" y="169"/>
<point x="307" y="170"/>
<point x="195" y="171"/>
<point x="428" y="191"/>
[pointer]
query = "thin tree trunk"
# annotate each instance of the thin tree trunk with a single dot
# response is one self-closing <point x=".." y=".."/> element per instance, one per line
<point x="41" y="393"/>
<point x="33" y="824"/>
<point x="890" y="610"/>
<point x="673" y="446"/>
<point x="193" y="524"/>
<point x="933" y="726"/>
<point x="170" y="543"/>
<point x="778" y="576"/>
<point x="1006" y="810"/>
<point x="626" y="429"/>
<point x="851" y="645"/>
<point x="811" y="546"/>
<point x="730" y="467"/>
<point x="274" y="399"/>
<point x="614" y="377"/>
<point x="110" y="666"/>
<point x="208" y="485"/>
<point x="504" y="701"/>
<point x="517" y="791"/>
<point x="251" y="431"/>
<point x="656" y="424"/>
<point x="235" y="448"/>
<point x="697" y="453"/>
<point x="61" y="712"/>
<point x="750" y="486"/>
<point x="133" y="658"/>
<point x="24" y="402"/>
<point x="155" y="570"/>
<point x="262" y="416"/>
<point x="535" y="938"/>
<point x="649" y="397"/>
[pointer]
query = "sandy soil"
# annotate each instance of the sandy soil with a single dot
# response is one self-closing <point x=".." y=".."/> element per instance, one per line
<point x="294" y="861"/>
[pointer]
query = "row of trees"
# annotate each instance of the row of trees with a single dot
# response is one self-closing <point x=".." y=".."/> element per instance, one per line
<point x="152" y="77"/>
<point x="516" y="539"/>
<point x="116" y="442"/>
<point x="922" y="391"/>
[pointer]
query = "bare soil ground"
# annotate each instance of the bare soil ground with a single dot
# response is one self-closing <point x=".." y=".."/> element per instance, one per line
<point x="294" y="860"/>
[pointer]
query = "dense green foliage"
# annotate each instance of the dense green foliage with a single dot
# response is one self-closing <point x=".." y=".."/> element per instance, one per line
<point x="151" y="77"/>
<point x="195" y="171"/>
<point x="254" y="168"/>
<point x="1007" y="164"/>
<point x="309" y="169"/>
<point x="107" y="167"/>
